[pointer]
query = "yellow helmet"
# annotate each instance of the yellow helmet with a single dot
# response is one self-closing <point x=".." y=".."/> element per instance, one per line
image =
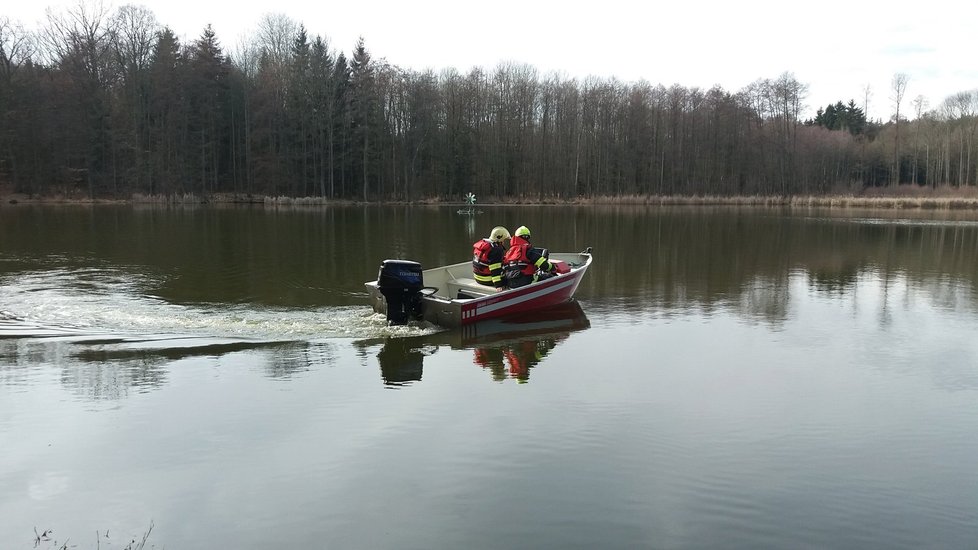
<point x="522" y="231"/>
<point x="498" y="234"/>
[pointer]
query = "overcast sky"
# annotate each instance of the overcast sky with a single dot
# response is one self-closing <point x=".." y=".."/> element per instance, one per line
<point x="836" y="48"/>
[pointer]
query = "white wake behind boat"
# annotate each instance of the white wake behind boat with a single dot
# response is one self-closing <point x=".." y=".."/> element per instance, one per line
<point x="450" y="297"/>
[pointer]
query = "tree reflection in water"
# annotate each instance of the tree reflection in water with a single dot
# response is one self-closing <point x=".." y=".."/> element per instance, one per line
<point x="506" y="348"/>
<point x="108" y="368"/>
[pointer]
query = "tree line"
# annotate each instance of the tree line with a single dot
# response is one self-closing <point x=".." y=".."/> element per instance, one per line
<point x="113" y="104"/>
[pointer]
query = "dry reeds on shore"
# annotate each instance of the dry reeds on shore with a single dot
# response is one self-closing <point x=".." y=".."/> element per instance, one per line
<point x="236" y="198"/>
<point x="896" y="203"/>
<point x="902" y="197"/>
<point x="890" y="203"/>
<point x="182" y="198"/>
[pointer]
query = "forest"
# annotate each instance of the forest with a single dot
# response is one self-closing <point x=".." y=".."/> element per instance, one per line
<point x="113" y="104"/>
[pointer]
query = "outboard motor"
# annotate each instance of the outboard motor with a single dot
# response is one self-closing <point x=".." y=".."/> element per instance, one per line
<point x="401" y="281"/>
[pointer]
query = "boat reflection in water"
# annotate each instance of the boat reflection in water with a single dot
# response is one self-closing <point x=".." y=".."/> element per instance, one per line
<point x="506" y="348"/>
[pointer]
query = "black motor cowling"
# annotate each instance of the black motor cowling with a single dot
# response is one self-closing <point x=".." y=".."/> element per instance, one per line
<point x="401" y="281"/>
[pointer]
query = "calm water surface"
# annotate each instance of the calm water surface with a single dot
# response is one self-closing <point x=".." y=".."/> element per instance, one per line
<point x="727" y="378"/>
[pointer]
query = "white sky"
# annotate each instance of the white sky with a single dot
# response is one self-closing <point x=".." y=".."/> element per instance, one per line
<point x="837" y="48"/>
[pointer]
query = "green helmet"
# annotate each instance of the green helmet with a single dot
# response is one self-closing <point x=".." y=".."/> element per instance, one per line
<point x="522" y="231"/>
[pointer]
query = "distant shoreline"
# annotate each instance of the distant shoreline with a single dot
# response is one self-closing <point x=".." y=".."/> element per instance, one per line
<point x="905" y="198"/>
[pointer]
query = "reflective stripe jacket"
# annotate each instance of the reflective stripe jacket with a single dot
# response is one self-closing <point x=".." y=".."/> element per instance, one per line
<point x="487" y="262"/>
<point x="522" y="261"/>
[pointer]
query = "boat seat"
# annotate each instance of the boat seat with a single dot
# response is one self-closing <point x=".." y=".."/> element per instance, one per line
<point x="469" y="287"/>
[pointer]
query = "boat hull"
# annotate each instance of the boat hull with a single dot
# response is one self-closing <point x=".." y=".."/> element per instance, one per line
<point x="455" y="300"/>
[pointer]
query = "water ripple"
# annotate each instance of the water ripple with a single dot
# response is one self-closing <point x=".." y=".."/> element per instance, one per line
<point x="96" y="301"/>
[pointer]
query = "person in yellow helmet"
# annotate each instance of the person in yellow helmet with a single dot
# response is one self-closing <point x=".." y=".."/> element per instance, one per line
<point x="523" y="263"/>
<point x="487" y="258"/>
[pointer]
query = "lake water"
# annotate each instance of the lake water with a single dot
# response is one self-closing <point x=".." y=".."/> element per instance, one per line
<point x="727" y="378"/>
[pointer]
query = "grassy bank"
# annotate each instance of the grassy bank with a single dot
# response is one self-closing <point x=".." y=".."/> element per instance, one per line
<point x="904" y="197"/>
<point x="834" y="201"/>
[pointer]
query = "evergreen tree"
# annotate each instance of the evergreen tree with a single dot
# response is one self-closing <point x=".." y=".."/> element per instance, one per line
<point x="167" y="116"/>
<point x="207" y="89"/>
<point x="841" y="116"/>
<point x="364" y="112"/>
<point x="298" y="108"/>
<point x="341" y="128"/>
<point x="322" y="100"/>
<point x="855" y="118"/>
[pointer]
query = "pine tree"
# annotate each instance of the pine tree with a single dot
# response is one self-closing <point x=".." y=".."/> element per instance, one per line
<point x="207" y="89"/>
<point x="342" y="123"/>
<point x="322" y="110"/>
<point x="167" y="115"/>
<point x="298" y="107"/>
<point x="364" y="104"/>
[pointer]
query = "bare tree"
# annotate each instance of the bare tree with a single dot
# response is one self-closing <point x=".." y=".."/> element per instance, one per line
<point x="80" y="43"/>
<point x="135" y="30"/>
<point x="784" y="97"/>
<point x="965" y="106"/>
<point x="899" y="87"/>
<point x="275" y="34"/>
<point x="16" y="50"/>
<point x="17" y="46"/>
<point x="867" y="93"/>
<point x="134" y="35"/>
<point x="81" y="38"/>
<point x="919" y="104"/>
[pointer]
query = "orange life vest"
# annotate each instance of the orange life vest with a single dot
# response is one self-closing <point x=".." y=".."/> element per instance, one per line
<point x="487" y="262"/>
<point x="516" y="258"/>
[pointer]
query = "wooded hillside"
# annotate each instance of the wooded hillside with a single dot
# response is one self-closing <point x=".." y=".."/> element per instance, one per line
<point x="112" y="104"/>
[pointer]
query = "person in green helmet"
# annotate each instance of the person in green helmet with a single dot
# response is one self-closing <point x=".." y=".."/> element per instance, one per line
<point x="523" y="263"/>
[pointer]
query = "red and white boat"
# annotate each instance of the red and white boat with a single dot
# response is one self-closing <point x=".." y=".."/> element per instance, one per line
<point x="450" y="297"/>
